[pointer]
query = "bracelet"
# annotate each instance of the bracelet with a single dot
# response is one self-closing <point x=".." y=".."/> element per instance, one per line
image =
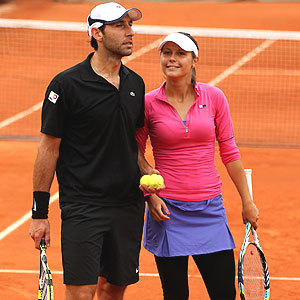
<point x="40" y="205"/>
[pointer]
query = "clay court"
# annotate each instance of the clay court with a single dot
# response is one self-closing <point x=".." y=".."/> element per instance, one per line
<point x="275" y="169"/>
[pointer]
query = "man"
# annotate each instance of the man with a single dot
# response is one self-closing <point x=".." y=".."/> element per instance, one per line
<point x="89" y="116"/>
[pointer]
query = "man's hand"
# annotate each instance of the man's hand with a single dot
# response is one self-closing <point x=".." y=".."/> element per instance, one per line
<point x="38" y="229"/>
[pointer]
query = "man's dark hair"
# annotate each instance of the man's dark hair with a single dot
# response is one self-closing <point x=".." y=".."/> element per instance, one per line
<point x="94" y="43"/>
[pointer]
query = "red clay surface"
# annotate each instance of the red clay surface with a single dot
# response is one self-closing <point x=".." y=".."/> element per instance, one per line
<point x="240" y="14"/>
<point x="275" y="171"/>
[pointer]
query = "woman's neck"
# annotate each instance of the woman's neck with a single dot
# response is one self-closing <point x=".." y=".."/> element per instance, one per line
<point x="180" y="90"/>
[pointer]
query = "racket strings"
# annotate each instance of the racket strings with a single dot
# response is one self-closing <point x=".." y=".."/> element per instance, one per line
<point x="43" y="286"/>
<point x="253" y="274"/>
<point x="45" y="283"/>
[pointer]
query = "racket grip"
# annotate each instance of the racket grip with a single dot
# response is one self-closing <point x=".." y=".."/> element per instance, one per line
<point x="43" y="242"/>
<point x="248" y="173"/>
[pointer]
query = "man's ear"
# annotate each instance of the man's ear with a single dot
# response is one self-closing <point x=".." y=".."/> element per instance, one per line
<point x="97" y="34"/>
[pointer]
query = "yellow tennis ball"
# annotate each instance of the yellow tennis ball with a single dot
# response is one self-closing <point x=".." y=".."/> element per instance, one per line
<point x="160" y="180"/>
<point x="145" y="180"/>
<point x="156" y="180"/>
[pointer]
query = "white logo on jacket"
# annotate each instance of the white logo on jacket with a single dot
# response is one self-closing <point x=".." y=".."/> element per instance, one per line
<point x="53" y="97"/>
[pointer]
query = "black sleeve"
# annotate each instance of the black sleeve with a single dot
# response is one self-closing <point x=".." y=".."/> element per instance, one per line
<point x="53" y="110"/>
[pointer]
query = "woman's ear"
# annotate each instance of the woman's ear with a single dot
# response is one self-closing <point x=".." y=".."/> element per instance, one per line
<point x="195" y="60"/>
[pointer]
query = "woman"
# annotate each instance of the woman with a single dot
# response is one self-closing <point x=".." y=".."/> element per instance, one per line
<point x="183" y="120"/>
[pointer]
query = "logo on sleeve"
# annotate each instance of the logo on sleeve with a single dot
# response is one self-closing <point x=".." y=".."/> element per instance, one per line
<point x="53" y="97"/>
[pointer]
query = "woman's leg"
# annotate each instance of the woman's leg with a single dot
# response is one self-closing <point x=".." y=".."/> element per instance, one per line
<point x="173" y="272"/>
<point x="218" y="272"/>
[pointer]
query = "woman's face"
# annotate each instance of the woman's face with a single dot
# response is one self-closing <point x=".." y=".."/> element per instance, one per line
<point x="175" y="62"/>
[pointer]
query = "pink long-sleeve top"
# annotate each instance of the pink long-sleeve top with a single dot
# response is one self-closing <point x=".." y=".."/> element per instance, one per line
<point x="184" y="153"/>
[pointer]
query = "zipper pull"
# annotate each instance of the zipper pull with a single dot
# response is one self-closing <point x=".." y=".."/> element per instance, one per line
<point x="186" y="129"/>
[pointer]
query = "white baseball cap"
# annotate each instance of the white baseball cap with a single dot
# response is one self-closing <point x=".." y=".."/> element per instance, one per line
<point x="183" y="41"/>
<point x="109" y="13"/>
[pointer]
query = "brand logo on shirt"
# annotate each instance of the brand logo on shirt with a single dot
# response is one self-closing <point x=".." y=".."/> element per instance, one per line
<point x="202" y="105"/>
<point x="53" y="97"/>
<point x="132" y="94"/>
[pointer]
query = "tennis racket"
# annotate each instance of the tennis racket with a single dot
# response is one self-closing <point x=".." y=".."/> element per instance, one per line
<point x="45" y="279"/>
<point x="253" y="273"/>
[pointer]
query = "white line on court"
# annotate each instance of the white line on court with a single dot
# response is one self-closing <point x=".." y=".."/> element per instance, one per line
<point x="143" y="50"/>
<point x="141" y="274"/>
<point x="242" y="61"/>
<point x="22" y="220"/>
<point x="21" y="115"/>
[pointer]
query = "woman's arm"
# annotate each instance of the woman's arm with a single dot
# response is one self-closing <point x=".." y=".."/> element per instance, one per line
<point x="236" y="172"/>
<point x="158" y="208"/>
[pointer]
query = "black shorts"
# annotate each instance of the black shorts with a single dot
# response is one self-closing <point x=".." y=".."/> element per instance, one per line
<point x="101" y="241"/>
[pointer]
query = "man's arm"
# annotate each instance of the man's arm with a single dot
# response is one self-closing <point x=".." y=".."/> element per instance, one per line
<point x="146" y="169"/>
<point x="144" y="166"/>
<point x="43" y="174"/>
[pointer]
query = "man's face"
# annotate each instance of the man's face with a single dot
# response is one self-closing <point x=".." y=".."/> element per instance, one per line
<point x="117" y="37"/>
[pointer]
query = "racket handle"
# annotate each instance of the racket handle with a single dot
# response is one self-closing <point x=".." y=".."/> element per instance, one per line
<point x="43" y="242"/>
<point x="248" y="173"/>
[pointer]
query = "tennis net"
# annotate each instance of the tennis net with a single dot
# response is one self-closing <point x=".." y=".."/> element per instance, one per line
<point x="258" y="70"/>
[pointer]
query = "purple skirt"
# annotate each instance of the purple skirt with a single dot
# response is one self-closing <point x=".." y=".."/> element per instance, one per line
<point x="199" y="227"/>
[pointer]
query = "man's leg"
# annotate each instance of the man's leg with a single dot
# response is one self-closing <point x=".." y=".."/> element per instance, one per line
<point x="119" y="261"/>
<point x="107" y="291"/>
<point x="83" y="230"/>
<point x="80" y="292"/>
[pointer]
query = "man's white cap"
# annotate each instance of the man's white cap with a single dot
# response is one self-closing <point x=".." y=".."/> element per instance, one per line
<point x="109" y="13"/>
<point x="183" y="41"/>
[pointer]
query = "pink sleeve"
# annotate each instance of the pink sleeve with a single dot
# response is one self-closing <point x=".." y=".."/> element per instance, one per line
<point x="141" y="134"/>
<point x="224" y="127"/>
<point x="229" y="151"/>
<point x="224" y="130"/>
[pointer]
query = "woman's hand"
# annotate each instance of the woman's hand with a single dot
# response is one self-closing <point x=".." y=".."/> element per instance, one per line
<point x="250" y="213"/>
<point x="149" y="189"/>
<point x="158" y="208"/>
